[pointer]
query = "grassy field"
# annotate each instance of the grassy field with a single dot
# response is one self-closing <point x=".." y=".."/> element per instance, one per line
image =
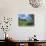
<point x="25" y="23"/>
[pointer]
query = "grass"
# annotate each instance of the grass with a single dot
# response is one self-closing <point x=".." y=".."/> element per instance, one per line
<point x="23" y="22"/>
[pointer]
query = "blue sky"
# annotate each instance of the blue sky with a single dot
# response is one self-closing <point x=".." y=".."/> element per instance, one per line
<point x="27" y="17"/>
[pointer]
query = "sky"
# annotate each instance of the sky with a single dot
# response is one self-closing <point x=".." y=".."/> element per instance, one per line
<point x="27" y="17"/>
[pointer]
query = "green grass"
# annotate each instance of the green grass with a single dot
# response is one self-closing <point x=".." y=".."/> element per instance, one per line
<point x="24" y="23"/>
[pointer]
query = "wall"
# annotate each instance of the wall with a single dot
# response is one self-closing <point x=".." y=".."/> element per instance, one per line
<point x="10" y="8"/>
<point x="45" y="28"/>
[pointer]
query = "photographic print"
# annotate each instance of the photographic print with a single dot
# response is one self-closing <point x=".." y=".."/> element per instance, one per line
<point x="25" y="20"/>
